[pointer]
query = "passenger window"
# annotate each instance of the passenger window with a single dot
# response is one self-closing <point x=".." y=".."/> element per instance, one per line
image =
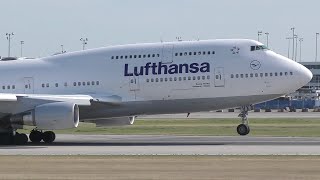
<point x="175" y="78"/>
<point x="194" y="78"/>
<point x="280" y="73"/>
<point x="165" y="79"/>
<point x="194" y="53"/>
<point x="209" y="52"/>
<point x="176" y="54"/>
<point x="153" y="55"/>
<point x="204" y="53"/>
<point x="66" y="84"/>
<point x="203" y="78"/>
<point x="253" y="48"/>
<point x="170" y="79"/>
<point x="47" y="85"/>
<point x="161" y="79"/>
<point x="271" y="74"/>
<point x="144" y="56"/>
<point x="57" y="84"/>
<point x="256" y="74"/>
<point x="232" y="76"/>
<point x="237" y="75"/>
<point x="241" y="75"/>
<point x="139" y="56"/>
<point x="79" y="83"/>
<point x="92" y="83"/>
<point x="13" y="87"/>
<point x="158" y="55"/>
<point x="74" y="84"/>
<point x="157" y="80"/>
<point x="185" y="53"/>
<point x="8" y="87"/>
<point x="135" y="56"/>
<point x="83" y="83"/>
<point x="180" y="79"/>
<point x="147" y="80"/>
<point x="184" y="78"/>
<point x="121" y="57"/>
<point x="189" y="78"/>
<point x="291" y="73"/>
<point x="286" y="73"/>
<point x="180" y="54"/>
<point x="126" y="57"/>
<point x="130" y="56"/>
<point x="266" y="74"/>
<point x="98" y="83"/>
<point x="117" y="57"/>
<point x="43" y="85"/>
<point x="261" y="74"/>
<point x="190" y="53"/>
<point x="112" y="57"/>
<point x="149" y="55"/>
<point x="199" y="53"/>
<point x="275" y="74"/>
<point x="208" y="77"/>
<point x="213" y="52"/>
<point x="247" y="75"/>
<point x="88" y="83"/>
<point x="251" y="75"/>
<point x="199" y="77"/>
<point x="151" y="79"/>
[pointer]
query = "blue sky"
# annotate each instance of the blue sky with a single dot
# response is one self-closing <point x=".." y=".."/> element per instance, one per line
<point x="44" y="24"/>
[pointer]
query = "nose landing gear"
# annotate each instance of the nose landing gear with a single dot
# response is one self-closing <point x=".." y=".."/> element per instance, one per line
<point x="244" y="129"/>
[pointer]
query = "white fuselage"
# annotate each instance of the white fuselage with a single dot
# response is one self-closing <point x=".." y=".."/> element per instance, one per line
<point x="158" y="78"/>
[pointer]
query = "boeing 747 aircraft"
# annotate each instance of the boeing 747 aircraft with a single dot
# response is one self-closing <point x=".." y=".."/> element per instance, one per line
<point x="112" y="85"/>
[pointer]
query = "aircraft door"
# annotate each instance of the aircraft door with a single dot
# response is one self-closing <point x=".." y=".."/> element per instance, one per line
<point x="219" y="79"/>
<point x="134" y="83"/>
<point x="167" y="53"/>
<point x="28" y="85"/>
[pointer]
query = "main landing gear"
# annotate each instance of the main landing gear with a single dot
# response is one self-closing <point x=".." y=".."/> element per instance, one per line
<point x="244" y="129"/>
<point x="37" y="136"/>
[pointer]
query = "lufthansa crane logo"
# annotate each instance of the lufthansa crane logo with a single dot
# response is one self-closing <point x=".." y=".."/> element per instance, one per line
<point x="255" y="65"/>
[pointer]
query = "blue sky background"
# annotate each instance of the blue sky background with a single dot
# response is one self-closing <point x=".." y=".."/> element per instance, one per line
<point x="45" y="24"/>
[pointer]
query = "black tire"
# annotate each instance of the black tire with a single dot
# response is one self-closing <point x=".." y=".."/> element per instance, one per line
<point x="20" y="139"/>
<point x="243" y="129"/>
<point x="35" y="136"/>
<point x="48" y="137"/>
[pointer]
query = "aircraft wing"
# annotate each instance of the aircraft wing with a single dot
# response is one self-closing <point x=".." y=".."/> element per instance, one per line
<point x="17" y="103"/>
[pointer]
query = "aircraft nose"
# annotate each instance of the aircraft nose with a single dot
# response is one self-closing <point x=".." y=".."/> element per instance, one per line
<point x="305" y="75"/>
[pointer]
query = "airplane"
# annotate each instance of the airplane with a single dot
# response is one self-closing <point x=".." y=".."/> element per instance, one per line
<point x="112" y="85"/>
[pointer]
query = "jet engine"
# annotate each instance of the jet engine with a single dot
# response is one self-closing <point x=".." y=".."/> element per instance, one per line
<point x="50" y="116"/>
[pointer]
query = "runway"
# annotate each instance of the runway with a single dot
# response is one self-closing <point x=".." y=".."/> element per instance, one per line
<point x="169" y="145"/>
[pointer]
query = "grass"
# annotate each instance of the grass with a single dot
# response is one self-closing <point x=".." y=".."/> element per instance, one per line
<point x="205" y="127"/>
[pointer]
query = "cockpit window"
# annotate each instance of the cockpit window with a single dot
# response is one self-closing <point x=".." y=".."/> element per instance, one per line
<point x="257" y="48"/>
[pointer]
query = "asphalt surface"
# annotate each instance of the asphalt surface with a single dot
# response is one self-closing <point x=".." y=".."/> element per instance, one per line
<point x="168" y="145"/>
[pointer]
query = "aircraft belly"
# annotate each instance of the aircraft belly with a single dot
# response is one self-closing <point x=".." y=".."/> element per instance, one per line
<point x="97" y="111"/>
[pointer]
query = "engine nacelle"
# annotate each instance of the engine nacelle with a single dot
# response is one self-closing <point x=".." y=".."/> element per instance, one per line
<point x="121" y="121"/>
<point x="51" y="116"/>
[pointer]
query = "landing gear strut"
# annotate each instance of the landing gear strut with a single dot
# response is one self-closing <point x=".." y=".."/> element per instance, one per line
<point x="36" y="136"/>
<point x="244" y="129"/>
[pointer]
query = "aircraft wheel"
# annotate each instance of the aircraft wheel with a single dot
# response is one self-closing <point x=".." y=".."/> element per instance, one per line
<point x="48" y="136"/>
<point x="20" y="139"/>
<point x="243" y="129"/>
<point x="35" y="136"/>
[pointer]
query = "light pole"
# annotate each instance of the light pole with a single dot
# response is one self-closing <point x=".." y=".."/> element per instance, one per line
<point x="259" y="34"/>
<point x="21" y="43"/>
<point x="267" y="34"/>
<point x="300" y="40"/>
<point x="289" y="40"/>
<point x="9" y="37"/>
<point x="317" y="34"/>
<point x="84" y="42"/>
<point x="296" y="52"/>
<point x="62" y="49"/>
<point x="293" y="42"/>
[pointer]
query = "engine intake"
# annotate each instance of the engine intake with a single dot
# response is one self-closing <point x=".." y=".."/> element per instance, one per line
<point x="51" y="116"/>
